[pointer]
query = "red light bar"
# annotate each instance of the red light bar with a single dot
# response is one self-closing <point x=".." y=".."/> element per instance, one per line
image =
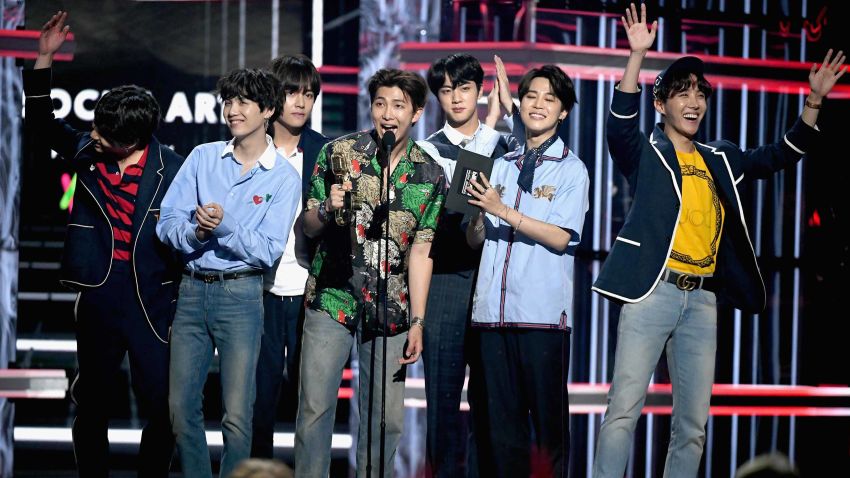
<point x="24" y="44"/>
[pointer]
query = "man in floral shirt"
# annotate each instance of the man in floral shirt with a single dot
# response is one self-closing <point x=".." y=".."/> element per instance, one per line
<point x="342" y="296"/>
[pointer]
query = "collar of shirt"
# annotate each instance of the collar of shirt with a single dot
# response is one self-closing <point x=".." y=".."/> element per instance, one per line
<point x="111" y="170"/>
<point x="456" y="137"/>
<point x="267" y="159"/>
<point x="483" y="141"/>
<point x="557" y="152"/>
<point x="291" y="154"/>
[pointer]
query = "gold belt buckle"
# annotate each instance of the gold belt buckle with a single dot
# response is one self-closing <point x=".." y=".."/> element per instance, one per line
<point x="209" y="278"/>
<point x="684" y="282"/>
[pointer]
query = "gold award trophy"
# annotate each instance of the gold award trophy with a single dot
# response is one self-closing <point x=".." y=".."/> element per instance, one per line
<point x="341" y="169"/>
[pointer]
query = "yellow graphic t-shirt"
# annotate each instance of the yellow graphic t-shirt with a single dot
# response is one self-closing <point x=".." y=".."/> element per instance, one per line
<point x="697" y="235"/>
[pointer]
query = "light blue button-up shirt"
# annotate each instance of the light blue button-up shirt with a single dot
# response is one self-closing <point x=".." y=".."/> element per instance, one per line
<point x="259" y="208"/>
<point x="522" y="283"/>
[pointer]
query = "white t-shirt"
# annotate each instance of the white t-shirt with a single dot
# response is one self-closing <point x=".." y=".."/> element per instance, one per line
<point x="288" y="278"/>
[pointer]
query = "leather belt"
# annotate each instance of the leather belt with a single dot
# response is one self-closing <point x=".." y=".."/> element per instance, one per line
<point x="689" y="282"/>
<point x="212" y="276"/>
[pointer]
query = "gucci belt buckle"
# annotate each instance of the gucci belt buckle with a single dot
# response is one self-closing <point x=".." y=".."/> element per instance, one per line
<point x="684" y="282"/>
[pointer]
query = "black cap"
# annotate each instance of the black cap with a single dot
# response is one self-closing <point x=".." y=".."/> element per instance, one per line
<point x="689" y="64"/>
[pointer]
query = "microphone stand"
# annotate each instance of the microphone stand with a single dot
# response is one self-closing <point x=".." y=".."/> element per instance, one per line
<point x="386" y="147"/>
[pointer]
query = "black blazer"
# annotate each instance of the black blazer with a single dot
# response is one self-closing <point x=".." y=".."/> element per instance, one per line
<point x="310" y="145"/>
<point x="89" y="243"/>
<point x="639" y="254"/>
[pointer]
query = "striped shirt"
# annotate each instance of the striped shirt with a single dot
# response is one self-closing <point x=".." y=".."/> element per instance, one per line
<point x="120" y="191"/>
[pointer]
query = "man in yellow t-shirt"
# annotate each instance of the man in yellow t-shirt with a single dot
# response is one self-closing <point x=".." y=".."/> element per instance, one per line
<point x="700" y="221"/>
<point x="683" y="247"/>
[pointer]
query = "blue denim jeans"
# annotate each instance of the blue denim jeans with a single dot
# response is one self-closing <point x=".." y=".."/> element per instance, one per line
<point x="325" y="348"/>
<point x="686" y="322"/>
<point x="228" y="316"/>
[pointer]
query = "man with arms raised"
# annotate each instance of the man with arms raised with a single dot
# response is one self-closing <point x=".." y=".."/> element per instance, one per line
<point x="670" y="266"/>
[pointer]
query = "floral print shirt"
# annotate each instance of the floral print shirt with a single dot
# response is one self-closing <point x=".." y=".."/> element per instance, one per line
<point x="343" y="279"/>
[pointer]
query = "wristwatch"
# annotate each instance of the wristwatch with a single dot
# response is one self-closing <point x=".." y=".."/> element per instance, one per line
<point x="323" y="211"/>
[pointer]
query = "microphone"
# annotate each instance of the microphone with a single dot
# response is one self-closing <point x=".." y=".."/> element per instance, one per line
<point x="387" y="144"/>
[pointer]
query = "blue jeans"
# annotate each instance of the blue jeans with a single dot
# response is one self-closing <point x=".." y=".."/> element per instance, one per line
<point x="687" y="323"/>
<point x="325" y="348"/>
<point x="228" y="316"/>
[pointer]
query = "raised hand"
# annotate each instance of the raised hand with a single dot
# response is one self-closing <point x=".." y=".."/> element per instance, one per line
<point x="53" y="34"/>
<point x="504" y="86"/>
<point x="640" y="38"/>
<point x="494" y="111"/>
<point x="821" y="80"/>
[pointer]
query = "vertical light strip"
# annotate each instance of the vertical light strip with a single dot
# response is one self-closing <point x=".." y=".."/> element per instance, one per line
<point x="795" y="310"/>
<point x="462" y="24"/>
<point x="718" y="123"/>
<point x="275" y="28"/>
<point x="579" y="30"/>
<point x="597" y="217"/>
<point x="592" y="417"/>
<point x="757" y="245"/>
<point x="224" y="40"/>
<point x="317" y="55"/>
<point x="600" y="114"/>
<point x="609" y="198"/>
<point x="803" y="34"/>
<point x="659" y="38"/>
<point x="709" y="447"/>
<point x="241" y="33"/>
<point x="736" y="344"/>
<point x="650" y="445"/>
<point x="575" y="144"/>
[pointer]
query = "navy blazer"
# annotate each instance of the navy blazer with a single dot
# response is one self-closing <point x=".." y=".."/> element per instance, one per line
<point x="87" y="256"/>
<point x="638" y="257"/>
<point x="310" y="145"/>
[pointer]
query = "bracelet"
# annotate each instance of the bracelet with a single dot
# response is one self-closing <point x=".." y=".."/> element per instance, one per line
<point x="814" y="106"/>
<point x="416" y="320"/>
<point x="506" y="213"/>
<point x="521" y="217"/>
<point x="323" y="211"/>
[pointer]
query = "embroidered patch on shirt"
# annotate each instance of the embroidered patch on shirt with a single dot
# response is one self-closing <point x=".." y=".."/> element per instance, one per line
<point x="544" y="191"/>
<point x="259" y="199"/>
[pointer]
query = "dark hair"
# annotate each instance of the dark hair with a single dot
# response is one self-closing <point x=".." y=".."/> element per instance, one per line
<point x="411" y="84"/>
<point x="562" y="85"/>
<point x="680" y="80"/>
<point x="253" y="84"/>
<point x="127" y="115"/>
<point x="296" y="73"/>
<point x="460" y="68"/>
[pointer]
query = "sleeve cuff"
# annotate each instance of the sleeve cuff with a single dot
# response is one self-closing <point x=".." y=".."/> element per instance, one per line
<point x="193" y="239"/>
<point x="801" y="136"/>
<point x="226" y="227"/>
<point x="625" y="105"/>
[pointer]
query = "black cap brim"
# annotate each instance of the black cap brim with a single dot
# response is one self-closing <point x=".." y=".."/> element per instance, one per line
<point x="689" y="64"/>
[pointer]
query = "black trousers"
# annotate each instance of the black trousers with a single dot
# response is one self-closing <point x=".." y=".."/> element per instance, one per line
<point x="279" y="351"/>
<point x="522" y="372"/>
<point x="444" y="357"/>
<point x="109" y="324"/>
